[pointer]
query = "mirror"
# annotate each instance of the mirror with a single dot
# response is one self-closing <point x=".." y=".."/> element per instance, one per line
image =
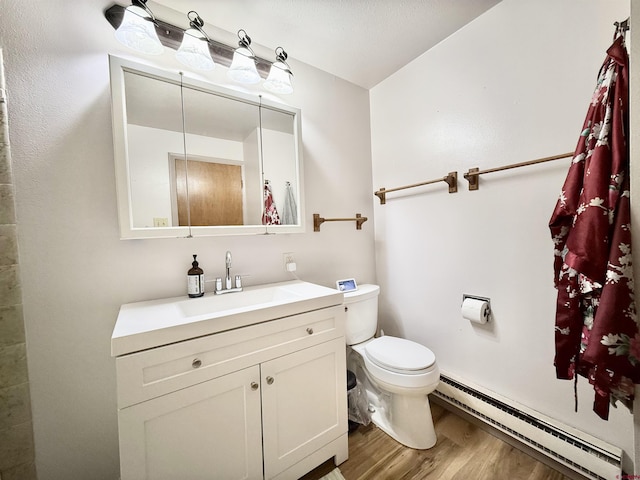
<point x="195" y="159"/>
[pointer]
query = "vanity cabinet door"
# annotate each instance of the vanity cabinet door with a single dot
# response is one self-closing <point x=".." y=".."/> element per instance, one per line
<point x="207" y="431"/>
<point x="304" y="402"/>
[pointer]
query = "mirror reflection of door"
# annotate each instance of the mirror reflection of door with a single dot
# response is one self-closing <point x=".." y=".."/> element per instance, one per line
<point x="214" y="195"/>
<point x="223" y="131"/>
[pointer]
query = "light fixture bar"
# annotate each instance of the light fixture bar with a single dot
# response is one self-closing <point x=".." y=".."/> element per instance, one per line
<point x="171" y="36"/>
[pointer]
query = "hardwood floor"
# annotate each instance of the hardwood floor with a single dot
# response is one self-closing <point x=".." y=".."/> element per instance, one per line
<point x="463" y="452"/>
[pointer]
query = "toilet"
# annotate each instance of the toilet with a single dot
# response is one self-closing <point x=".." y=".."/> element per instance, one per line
<point x="396" y="373"/>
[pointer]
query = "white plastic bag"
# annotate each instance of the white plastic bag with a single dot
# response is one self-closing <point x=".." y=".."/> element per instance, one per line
<point x="358" y="405"/>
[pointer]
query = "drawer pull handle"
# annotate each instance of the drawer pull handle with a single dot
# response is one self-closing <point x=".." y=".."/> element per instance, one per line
<point x="269" y="380"/>
<point x="310" y="331"/>
<point x="254" y="386"/>
<point x="196" y="363"/>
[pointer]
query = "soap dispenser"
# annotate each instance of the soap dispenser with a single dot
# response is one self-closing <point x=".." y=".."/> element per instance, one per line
<point x="195" y="280"/>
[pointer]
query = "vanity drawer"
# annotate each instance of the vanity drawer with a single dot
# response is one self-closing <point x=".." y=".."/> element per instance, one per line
<point x="162" y="370"/>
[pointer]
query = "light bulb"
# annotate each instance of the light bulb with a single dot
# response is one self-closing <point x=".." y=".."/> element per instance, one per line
<point x="243" y="68"/>
<point x="279" y="79"/>
<point x="194" y="51"/>
<point x="138" y="32"/>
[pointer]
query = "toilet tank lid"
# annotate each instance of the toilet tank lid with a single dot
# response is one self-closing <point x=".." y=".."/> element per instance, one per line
<point x="363" y="292"/>
<point x="399" y="354"/>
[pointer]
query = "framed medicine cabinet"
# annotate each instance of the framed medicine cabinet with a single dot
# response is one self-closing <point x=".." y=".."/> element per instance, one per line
<point x="197" y="159"/>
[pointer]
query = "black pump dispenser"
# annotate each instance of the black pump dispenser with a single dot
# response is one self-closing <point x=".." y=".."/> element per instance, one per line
<point x="195" y="280"/>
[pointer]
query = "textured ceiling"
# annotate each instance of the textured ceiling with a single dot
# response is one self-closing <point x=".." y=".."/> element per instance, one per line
<point x="362" y="41"/>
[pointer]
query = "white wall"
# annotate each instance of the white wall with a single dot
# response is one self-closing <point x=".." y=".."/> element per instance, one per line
<point x="253" y="180"/>
<point x="277" y="146"/>
<point x="75" y="270"/>
<point x="513" y="85"/>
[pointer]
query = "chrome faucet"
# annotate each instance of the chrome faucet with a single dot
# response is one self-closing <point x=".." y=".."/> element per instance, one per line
<point x="228" y="287"/>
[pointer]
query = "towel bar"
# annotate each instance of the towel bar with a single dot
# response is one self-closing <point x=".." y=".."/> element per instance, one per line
<point x="318" y="220"/>
<point x="451" y="179"/>
<point x="473" y="175"/>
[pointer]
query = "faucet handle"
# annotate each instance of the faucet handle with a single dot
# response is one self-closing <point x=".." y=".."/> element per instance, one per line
<point x="218" y="284"/>
<point x="238" y="281"/>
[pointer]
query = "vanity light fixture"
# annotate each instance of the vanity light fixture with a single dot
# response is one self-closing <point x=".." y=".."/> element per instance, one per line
<point x="243" y="68"/>
<point x="194" y="49"/>
<point x="138" y="31"/>
<point x="279" y="79"/>
<point x="138" y="28"/>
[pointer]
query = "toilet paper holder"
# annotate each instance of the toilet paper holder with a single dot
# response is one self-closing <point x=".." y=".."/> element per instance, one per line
<point x="483" y="299"/>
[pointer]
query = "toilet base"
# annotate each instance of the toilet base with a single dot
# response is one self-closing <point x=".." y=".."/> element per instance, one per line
<point x="408" y="421"/>
<point x="402" y="413"/>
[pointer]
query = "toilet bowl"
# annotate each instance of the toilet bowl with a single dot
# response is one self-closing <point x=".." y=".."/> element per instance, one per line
<point x="397" y="374"/>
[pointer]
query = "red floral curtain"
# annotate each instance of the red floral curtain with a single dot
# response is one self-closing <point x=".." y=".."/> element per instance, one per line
<point x="270" y="213"/>
<point x="596" y="332"/>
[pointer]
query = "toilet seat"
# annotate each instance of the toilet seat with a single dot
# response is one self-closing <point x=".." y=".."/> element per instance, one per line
<point x="400" y="355"/>
<point x="411" y="382"/>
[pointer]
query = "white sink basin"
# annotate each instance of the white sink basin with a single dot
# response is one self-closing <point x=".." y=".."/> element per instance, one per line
<point x="248" y="299"/>
<point x="145" y="325"/>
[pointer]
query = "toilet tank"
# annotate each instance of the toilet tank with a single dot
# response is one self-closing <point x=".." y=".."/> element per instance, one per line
<point x="361" y="307"/>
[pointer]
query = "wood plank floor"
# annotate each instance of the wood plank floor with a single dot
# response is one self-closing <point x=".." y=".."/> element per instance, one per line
<point x="463" y="452"/>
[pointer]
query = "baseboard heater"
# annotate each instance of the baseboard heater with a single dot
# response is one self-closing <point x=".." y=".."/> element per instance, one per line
<point x="578" y="451"/>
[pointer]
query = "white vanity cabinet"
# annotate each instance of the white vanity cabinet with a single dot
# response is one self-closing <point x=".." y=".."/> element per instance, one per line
<point x="267" y="400"/>
<point x="303" y="406"/>
<point x="209" y="430"/>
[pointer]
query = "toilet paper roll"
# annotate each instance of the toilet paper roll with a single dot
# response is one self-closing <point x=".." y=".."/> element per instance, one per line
<point x="475" y="310"/>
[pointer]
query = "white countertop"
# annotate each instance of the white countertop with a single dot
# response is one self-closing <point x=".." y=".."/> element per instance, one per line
<point x="154" y="323"/>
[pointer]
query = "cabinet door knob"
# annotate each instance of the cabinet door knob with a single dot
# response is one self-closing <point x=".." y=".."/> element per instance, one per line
<point x="269" y="380"/>
<point x="196" y="363"/>
<point x="310" y="331"/>
<point x="254" y="386"/>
